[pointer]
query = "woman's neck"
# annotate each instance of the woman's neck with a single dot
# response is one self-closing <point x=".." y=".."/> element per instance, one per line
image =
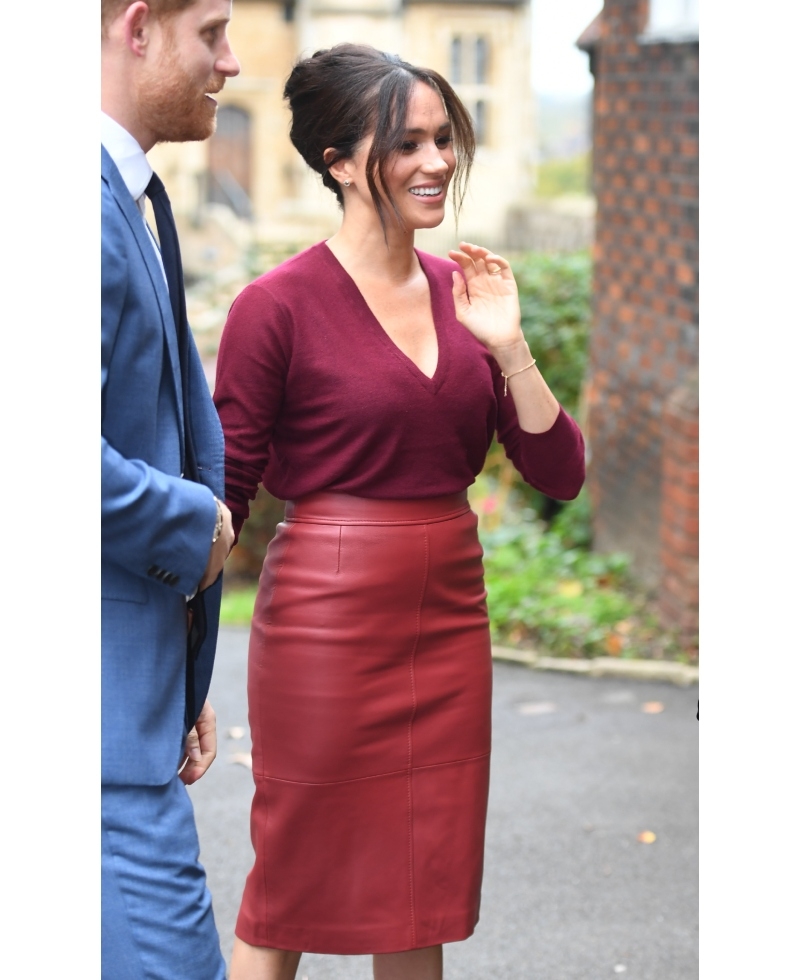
<point x="366" y="253"/>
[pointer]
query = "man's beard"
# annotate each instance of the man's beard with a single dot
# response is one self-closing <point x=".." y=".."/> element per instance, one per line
<point x="174" y="107"/>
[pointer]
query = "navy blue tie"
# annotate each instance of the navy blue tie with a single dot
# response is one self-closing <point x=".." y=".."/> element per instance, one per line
<point x="173" y="269"/>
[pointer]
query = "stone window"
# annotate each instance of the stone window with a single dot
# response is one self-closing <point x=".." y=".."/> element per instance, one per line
<point x="481" y="60"/>
<point x="469" y="60"/>
<point x="456" y="60"/>
<point x="229" y="160"/>
<point x="479" y="119"/>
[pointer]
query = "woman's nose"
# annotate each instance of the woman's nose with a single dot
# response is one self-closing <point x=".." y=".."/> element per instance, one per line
<point x="435" y="162"/>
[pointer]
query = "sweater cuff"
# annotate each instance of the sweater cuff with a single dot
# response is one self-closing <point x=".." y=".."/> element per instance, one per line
<point x="557" y="457"/>
<point x="562" y="432"/>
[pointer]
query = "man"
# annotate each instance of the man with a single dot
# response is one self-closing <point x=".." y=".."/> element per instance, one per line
<point x="165" y="533"/>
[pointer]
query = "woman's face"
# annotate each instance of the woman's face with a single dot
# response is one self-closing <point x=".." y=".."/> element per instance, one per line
<point x="419" y="175"/>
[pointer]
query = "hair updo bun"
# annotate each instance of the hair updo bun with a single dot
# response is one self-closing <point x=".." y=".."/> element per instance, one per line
<point x="340" y="95"/>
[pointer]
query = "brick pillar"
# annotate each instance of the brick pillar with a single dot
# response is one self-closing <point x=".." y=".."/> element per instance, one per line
<point x="679" y="588"/>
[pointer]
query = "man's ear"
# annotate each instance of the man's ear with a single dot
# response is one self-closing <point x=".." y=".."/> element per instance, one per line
<point x="138" y="22"/>
<point x="341" y="170"/>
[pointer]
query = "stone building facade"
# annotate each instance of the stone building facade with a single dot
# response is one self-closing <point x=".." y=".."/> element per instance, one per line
<point x="642" y="388"/>
<point x="480" y="46"/>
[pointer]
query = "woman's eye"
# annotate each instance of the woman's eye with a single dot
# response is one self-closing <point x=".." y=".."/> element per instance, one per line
<point x="442" y="141"/>
<point x="408" y="147"/>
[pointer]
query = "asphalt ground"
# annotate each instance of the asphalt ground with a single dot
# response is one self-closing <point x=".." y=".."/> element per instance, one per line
<point x="582" y="767"/>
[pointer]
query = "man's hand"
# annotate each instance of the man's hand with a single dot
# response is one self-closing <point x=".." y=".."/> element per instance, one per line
<point x="219" y="551"/>
<point x="201" y="746"/>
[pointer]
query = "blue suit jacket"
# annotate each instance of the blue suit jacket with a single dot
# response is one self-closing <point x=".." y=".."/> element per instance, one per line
<point x="156" y="526"/>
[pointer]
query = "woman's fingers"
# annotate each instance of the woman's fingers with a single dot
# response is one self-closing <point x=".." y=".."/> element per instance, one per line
<point x="463" y="260"/>
<point x="478" y="255"/>
<point x="497" y="265"/>
<point x="476" y="259"/>
<point x="493" y="263"/>
<point x="470" y="258"/>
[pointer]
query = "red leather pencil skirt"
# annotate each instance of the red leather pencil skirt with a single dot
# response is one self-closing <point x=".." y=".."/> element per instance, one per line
<point x="370" y="709"/>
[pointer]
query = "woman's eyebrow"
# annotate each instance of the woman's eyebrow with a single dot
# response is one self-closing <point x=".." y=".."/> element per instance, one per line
<point x="421" y="132"/>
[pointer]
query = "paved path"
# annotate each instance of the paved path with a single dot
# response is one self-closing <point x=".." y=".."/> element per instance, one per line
<point x="580" y="770"/>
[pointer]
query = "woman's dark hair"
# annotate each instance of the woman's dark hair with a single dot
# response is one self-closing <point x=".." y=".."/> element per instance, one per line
<point x="339" y="96"/>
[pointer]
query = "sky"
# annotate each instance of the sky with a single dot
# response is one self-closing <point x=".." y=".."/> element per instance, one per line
<point x="558" y="68"/>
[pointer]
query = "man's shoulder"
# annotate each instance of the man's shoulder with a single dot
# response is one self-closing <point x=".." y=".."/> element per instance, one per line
<point x="111" y="200"/>
<point x="118" y="246"/>
<point x="115" y="196"/>
<point x="114" y="226"/>
<point x="118" y="211"/>
<point x="108" y="169"/>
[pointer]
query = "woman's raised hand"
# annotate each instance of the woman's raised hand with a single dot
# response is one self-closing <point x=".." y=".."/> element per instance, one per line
<point x="487" y="303"/>
<point x="488" y="306"/>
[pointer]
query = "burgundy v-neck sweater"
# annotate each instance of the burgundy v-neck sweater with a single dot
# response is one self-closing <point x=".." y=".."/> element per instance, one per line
<point x="314" y="395"/>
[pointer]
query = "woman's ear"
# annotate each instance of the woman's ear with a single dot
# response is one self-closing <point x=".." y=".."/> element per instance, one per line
<point x="341" y="171"/>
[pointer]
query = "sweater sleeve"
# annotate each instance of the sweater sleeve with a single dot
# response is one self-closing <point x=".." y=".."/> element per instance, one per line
<point x="254" y="357"/>
<point x="551" y="461"/>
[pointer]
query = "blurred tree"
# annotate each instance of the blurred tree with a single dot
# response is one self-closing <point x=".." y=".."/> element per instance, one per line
<point x="558" y="177"/>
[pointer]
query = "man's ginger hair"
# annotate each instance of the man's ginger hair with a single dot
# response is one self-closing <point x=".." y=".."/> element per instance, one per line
<point x="109" y="9"/>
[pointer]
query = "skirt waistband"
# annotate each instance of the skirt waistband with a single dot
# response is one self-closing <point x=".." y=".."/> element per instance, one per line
<point x="327" y="507"/>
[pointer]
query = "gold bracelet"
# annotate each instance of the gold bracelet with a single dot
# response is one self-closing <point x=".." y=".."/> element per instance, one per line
<point x="507" y="376"/>
<point x="218" y="525"/>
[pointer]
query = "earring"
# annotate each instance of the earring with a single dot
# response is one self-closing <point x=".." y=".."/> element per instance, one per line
<point x="347" y="183"/>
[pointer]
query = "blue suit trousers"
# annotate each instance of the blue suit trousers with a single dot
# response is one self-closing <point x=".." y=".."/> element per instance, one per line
<point x="157" y="921"/>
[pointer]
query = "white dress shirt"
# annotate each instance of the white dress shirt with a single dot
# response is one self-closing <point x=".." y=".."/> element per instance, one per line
<point x="133" y="166"/>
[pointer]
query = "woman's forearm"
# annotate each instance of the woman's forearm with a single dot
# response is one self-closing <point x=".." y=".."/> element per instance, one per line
<point x="537" y="407"/>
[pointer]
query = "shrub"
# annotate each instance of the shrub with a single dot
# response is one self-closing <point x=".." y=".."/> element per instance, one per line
<point x="555" y="300"/>
<point x="546" y="588"/>
<point x="247" y="556"/>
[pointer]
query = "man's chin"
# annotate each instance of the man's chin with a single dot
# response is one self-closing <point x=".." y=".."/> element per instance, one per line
<point x="186" y="127"/>
<point x="189" y="131"/>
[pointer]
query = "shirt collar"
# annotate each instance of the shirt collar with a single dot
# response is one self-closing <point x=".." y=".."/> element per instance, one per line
<point x="127" y="155"/>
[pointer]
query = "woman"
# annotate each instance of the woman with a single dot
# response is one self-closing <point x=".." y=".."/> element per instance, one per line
<point x="362" y="381"/>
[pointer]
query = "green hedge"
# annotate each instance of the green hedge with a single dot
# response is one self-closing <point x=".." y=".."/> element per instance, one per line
<point x="555" y="300"/>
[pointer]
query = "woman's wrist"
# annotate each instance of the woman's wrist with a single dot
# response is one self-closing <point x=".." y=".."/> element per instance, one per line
<point x="512" y="357"/>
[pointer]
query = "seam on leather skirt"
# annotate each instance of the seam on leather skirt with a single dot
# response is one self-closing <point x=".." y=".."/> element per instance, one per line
<point x="377" y="775"/>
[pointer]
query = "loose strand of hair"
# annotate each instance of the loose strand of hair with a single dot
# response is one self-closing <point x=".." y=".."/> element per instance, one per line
<point x="390" y="122"/>
<point x="464" y="138"/>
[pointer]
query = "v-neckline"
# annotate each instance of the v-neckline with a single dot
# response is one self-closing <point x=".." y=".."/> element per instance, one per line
<point x="432" y="383"/>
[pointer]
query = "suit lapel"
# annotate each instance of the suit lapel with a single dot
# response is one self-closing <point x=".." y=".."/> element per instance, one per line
<point x="127" y="205"/>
